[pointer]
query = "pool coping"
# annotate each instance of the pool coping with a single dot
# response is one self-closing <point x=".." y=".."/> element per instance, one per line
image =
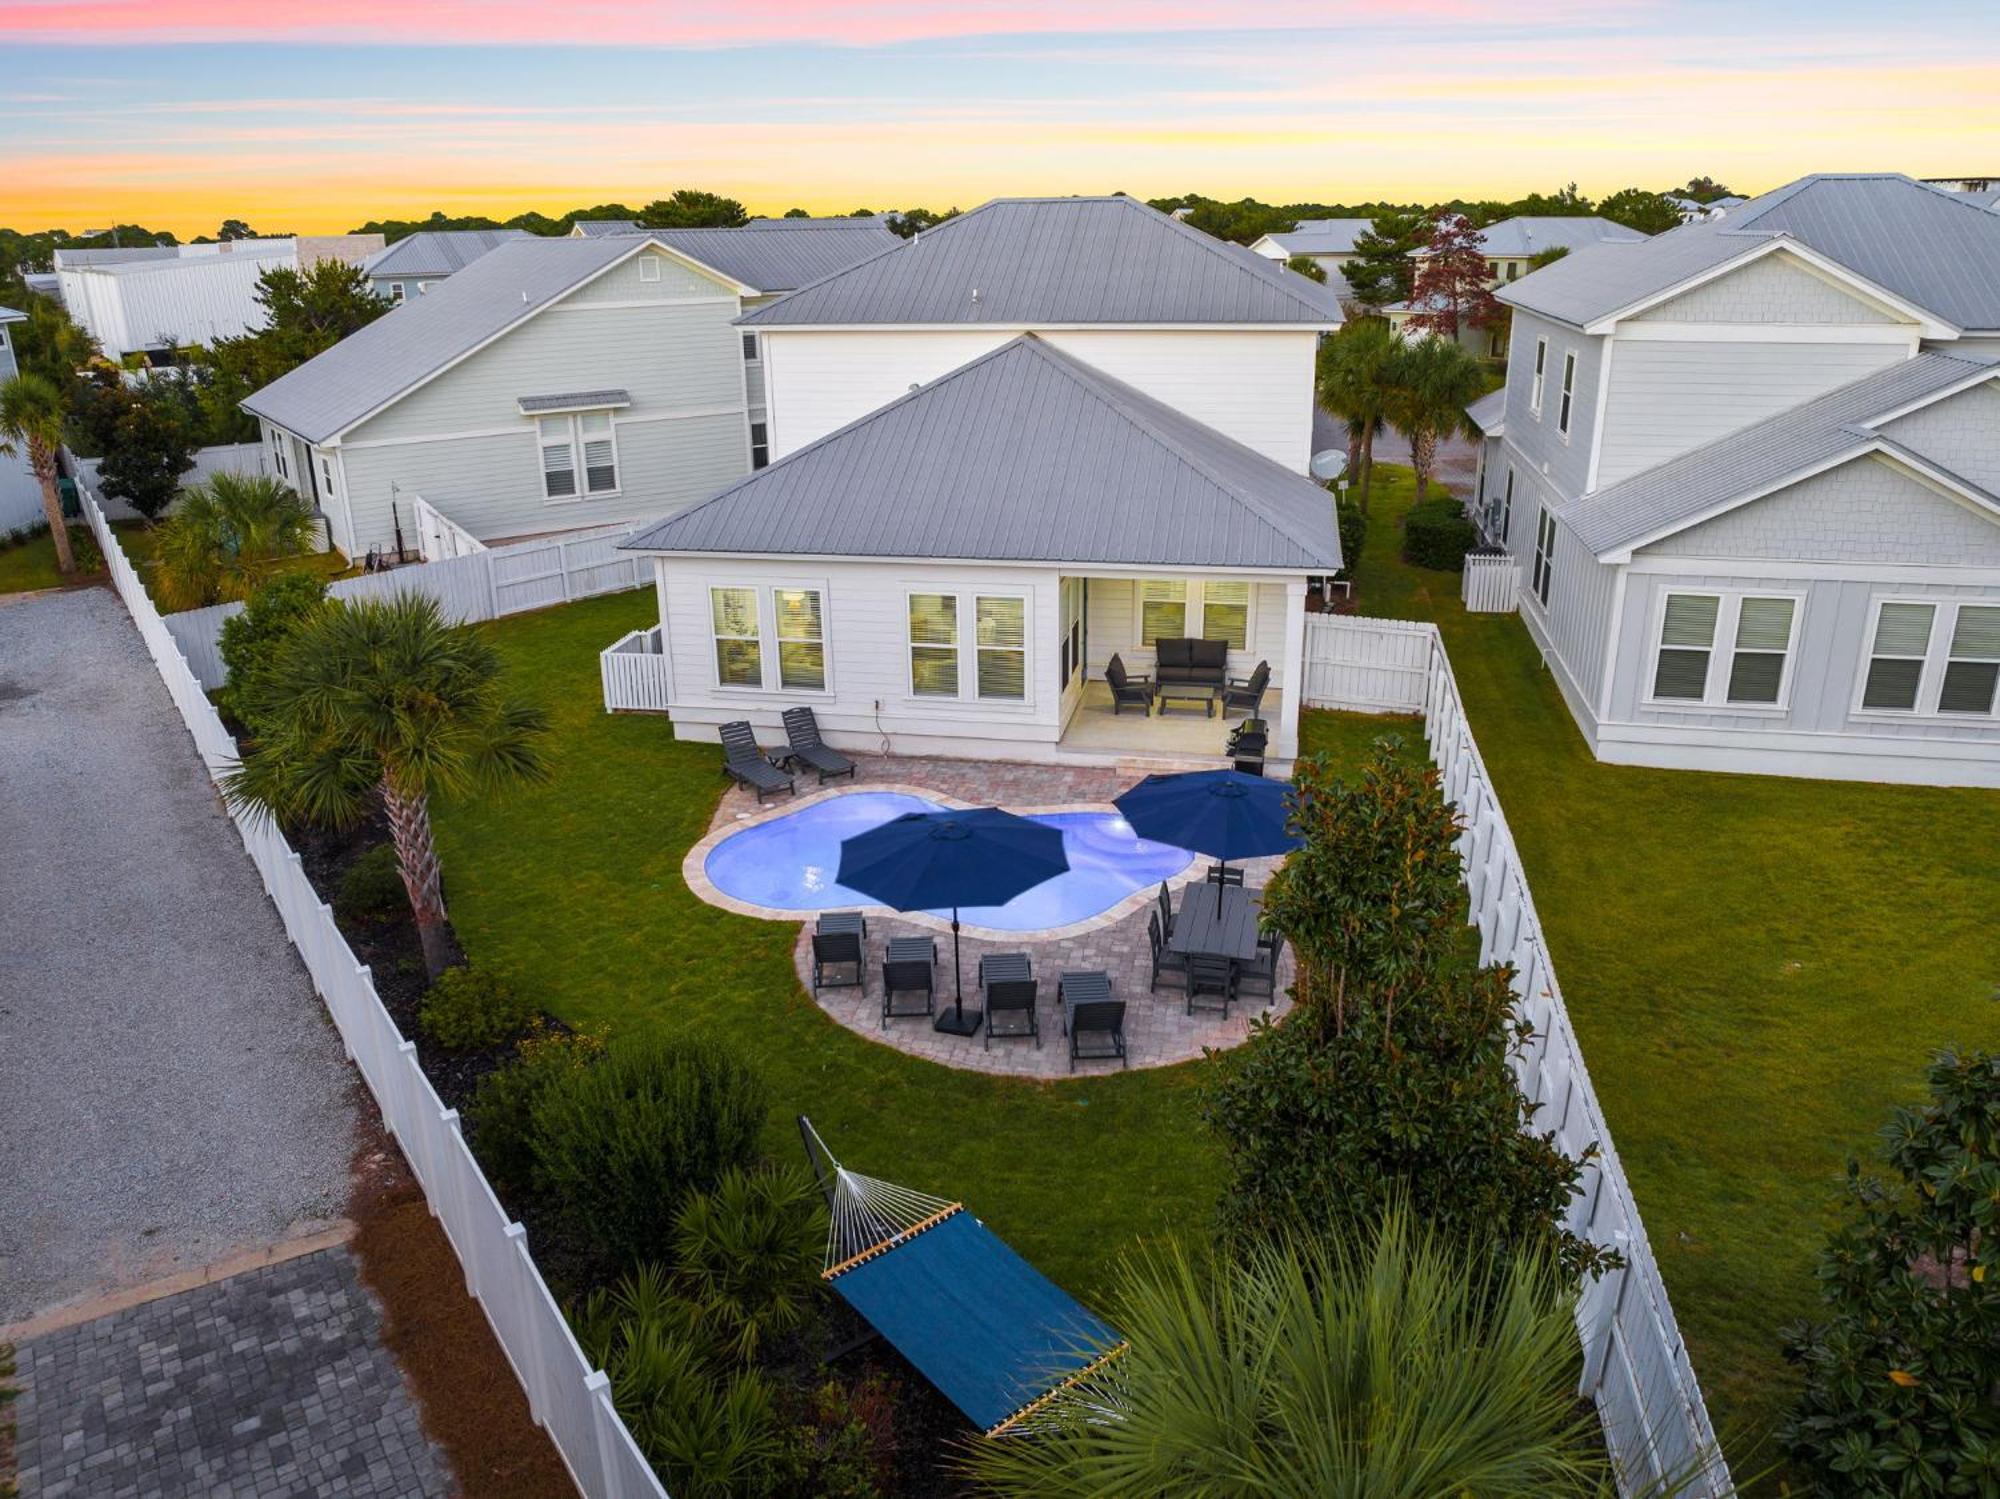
<point x="694" y="869"/>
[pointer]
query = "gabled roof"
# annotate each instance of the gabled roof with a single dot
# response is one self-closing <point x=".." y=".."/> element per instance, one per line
<point x="1321" y="237"/>
<point x="1768" y="455"/>
<point x="1530" y="234"/>
<point x="437" y="252"/>
<point x="779" y="254"/>
<point x="1936" y="250"/>
<point x="1026" y="454"/>
<point x="598" y="228"/>
<point x="1050" y="262"/>
<point x="1486" y="412"/>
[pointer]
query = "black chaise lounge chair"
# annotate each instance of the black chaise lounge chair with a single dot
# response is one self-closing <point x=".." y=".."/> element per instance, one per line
<point x="1100" y="1022"/>
<point x="1011" y="1002"/>
<point x="1247" y="692"/>
<point x="836" y="950"/>
<point x="1127" y="691"/>
<point x="808" y="749"/>
<point x="907" y="976"/>
<point x="742" y="760"/>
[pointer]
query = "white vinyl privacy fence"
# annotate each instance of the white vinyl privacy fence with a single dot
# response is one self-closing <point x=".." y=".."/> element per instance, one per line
<point x="1635" y="1362"/>
<point x="487" y="584"/>
<point x="230" y="458"/>
<point x="1491" y="583"/>
<point x="569" y="1399"/>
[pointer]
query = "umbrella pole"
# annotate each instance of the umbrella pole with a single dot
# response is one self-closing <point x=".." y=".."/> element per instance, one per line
<point x="955" y="1021"/>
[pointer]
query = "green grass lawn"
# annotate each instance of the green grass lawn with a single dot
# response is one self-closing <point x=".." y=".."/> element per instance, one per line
<point x="577" y="884"/>
<point x="32" y="564"/>
<point x="1757" y="968"/>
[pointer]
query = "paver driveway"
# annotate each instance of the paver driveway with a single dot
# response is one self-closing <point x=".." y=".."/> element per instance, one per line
<point x="170" y="1089"/>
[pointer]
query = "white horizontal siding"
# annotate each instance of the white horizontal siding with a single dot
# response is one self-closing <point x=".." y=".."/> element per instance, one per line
<point x="1254" y="387"/>
<point x="1668" y="397"/>
<point x="1535" y="438"/>
<point x="1112" y="627"/>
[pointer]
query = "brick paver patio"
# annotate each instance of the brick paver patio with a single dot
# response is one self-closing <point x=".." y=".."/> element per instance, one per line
<point x="1158" y="1029"/>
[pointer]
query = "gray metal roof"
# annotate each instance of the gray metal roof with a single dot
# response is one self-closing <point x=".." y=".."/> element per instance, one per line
<point x="1936" y="249"/>
<point x="1530" y="234"/>
<point x="779" y="254"/>
<point x="9" y="315"/>
<point x="576" y="400"/>
<point x="1043" y="262"/>
<point x="598" y="228"/>
<point x="1762" y="455"/>
<point x="1486" y="412"/>
<point x="1321" y="236"/>
<point x="437" y="252"/>
<point x="1025" y="454"/>
<point x="379" y="362"/>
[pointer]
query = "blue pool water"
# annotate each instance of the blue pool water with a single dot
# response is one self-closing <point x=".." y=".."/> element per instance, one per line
<point x="789" y="863"/>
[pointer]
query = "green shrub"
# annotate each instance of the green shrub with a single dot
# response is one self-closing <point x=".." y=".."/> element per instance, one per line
<point x="501" y="1115"/>
<point x="472" y="1008"/>
<point x="251" y="639"/>
<point x="846" y="1444"/>
<point x="1900" y="1377"/>
<point x="621" y="1145"/>
<point x="750" y="1252"/>
<point x="1436" y="534"/>
<point x="1353" y="523"/>
<point x="372" y="889"/>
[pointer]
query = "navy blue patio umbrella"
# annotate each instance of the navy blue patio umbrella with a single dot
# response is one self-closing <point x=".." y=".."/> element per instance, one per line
<point x="926" y="861"/>
<point x="1222" y="813"/>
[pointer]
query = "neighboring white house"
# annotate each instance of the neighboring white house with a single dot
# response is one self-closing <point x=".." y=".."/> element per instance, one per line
<point x="1329" y="243"/>
<point x="413" y="264"/>
<point x="550" y="385"/>
<point x="1750" y="472"/>
<point x="1509" y="246"/>
<point x="1036" y="435"/>
<point x="153" y="299"/>
<point x="20" y="491"/>
<point x="1693" y="208"/>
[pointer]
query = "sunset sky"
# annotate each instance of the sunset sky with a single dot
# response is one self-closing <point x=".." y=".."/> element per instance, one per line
<point x="176" y="113"/>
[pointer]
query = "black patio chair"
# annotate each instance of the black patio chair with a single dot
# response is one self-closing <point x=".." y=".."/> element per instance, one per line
<point x="1211" y="982"/>
<point x="1014" y="999"/>
<point x="1166" y="911"/>
<point x="1247" y="692"/>
<point x="907" y="976"/>
<point x="1165" y="959"/>
<point x="745" y="762"/>
<point x="1262" y="971"/>
<point x="1222" y="874"/>
<point x="808" y="749"/>
<point x="1102" y="1023"/>
<point x="1127" y="691"/>
<point x="832" y="950"/>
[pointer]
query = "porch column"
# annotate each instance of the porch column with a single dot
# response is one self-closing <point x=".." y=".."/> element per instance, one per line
<point x="666" y="645"/>
<point x="1292" y="675"/>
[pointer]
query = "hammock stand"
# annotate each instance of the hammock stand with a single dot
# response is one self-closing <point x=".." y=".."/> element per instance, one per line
<point x="996" y="1336"/>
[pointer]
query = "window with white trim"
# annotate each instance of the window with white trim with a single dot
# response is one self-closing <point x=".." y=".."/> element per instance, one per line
<point x="1072" y="641"/>
<point x="1932" y="658"/>
<point x="1000" y="634"/>
<point x="600" y="452"/>
<point x="760" y="445"/>
<point x="751" y="351"/>
<point x="739" y="653"/>
<point x="1896" y="657"/>
<point x="1545" y="552"/>
<point x="558" y="451"/>
<point x="395" y="291"/>
<point x="1507" y="506"/>
<point x="1687" y="644"/>
<point x="1761" y="646"/>
<point x="1568" y="400"/>
<point x="1753" y="634"/>
<point x="934" y="644"/>
<point x="1162" y="610"/>
<point x="801" y="639"/>
<point x="579" y="454"/>
<point x="649" y="267"/>
<point x="1541" y="377"/>
<point x="1972" y="662"/>
<point x="1225" y="613"/>
<point x="278" y="457"/>
<point x="325" y="477"/>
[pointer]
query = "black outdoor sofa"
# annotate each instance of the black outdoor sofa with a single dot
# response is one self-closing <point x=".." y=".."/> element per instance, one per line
<point x="745" y="762"/>
<point x="1201" y="662"/>
<point x="809" y="750"/>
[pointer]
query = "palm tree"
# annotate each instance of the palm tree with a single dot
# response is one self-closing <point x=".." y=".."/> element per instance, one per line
<point x="223" y="535"/>
<point x="379" y="701"/>
<point x="1382" y="1369"/>
<point x="1353" y="384"/>
<point x="1431" y="382"/>
<point x="31" y="418"/>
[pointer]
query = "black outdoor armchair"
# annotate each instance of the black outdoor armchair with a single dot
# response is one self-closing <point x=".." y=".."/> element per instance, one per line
<point x="1247" y="692"/>
<point x="833" y="951"/>
<point x="906" y="976"/>
<point x="1012" y="1002"/>
<point x="808" y="749"/>
<point x="1165" y="959"/>
<point x="745" y="762"/>
<point x="1127" y="691"/>
<point x="1261" y="973"/>
<point x="1097" y="1032"/>
<point x="1211" y="982"/>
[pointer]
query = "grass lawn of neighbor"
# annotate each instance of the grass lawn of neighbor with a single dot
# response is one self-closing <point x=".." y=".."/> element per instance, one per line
<point x="30" y="565"/>
<point x="1758" y="969"/>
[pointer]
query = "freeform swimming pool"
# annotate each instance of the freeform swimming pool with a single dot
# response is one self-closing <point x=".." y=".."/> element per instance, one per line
<point x="789" y="863"/>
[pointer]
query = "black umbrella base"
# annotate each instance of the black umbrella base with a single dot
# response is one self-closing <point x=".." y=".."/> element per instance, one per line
<point x="956" y="1022"/>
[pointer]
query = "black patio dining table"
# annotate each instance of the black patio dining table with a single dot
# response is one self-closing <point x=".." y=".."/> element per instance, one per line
<point x="1220" y="920"/>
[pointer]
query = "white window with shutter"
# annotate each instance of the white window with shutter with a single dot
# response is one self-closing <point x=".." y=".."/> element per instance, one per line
<point x="1162" y="610"/>
<point x="1931" y="658"/>
<point x="1225" y="613"/>
<point x="1000" y="628"/>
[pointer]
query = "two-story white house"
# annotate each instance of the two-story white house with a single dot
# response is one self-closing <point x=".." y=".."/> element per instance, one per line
<point x="1041" y="434"/>
<point x="417" y="262"/>
<point x="1750" y="472"/>
<point x="552" y="384"/>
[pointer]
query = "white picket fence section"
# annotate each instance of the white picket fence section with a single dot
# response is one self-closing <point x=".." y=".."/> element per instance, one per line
<point x="487" y="584"/>
<point x="637" y="675"/>
<point x="1367" y="665"/>
<point x="1491" y="585"/>
<point x="439" y="536"/>
<point x="569" y="1399"/>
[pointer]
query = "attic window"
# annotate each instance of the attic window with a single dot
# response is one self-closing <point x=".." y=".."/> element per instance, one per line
<point x="649" y="268"/>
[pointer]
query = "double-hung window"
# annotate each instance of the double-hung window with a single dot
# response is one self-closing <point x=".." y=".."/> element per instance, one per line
<point x="1001" y="630"/>
<point x="395" y="292"/>
<point x="1933" y="658"/>
<point x="751" y="353"/>
<point x="1225" y="613"/>
<point x="934" y="644"/>
<point x="1567" y="401"/>
<point x="739" y="652"/>
<point x="993" y="632"/>
<point x="1541" y="377"/>
<point x="579" y="455"/>
<point x="760" y="445"/>
<point x="769" y="638"/>
<point x="1752" y="634"/>
<point x="1162" y="610"/>
<point x="1972" y="662"/>
<point x="1072" y="641"/>
<point x="1762" y="645"/>
<point x="1687" y="644"/>
<point x="801" y="639"/>
<point x="1545" y="553"/>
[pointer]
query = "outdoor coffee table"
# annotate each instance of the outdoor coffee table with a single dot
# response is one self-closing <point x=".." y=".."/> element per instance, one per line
<point x="913" y="950"/>
<point x="1188" y="692"/>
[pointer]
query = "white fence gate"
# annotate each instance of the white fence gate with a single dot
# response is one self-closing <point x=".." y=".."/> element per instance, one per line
<point x="1367" y="665"/>
<point x="487" y="584"/>
<point x="569" y="1399"/>
<point x="1491" y="585"/>
<point x="636" y="673"/>
<point x="439" y="536"/>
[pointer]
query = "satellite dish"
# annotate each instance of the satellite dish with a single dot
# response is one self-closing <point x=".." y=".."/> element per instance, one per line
<point x="1329" y="464"/>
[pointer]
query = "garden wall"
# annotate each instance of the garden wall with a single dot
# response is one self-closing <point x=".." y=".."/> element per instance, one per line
<point x="566" y="1396"/>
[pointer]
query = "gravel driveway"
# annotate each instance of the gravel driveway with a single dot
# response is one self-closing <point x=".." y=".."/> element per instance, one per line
<point x="170" y="1088"/>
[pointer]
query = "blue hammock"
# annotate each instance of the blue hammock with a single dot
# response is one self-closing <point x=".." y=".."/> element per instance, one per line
<point x="999" y="1338"/>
